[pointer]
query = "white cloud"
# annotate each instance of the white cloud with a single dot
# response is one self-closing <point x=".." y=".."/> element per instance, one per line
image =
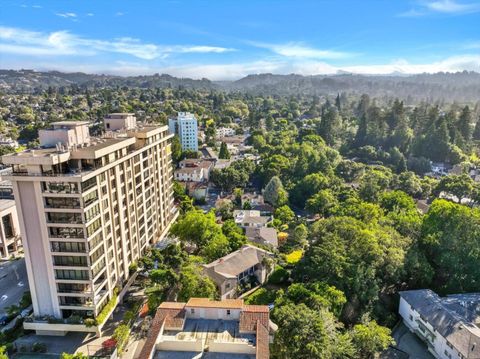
<point x="233" y="71"/>
<point x="66" y="14"/>
<point x="119" y="13"/>
<point x="451" y="7"/>
<point x="300" y="50"/>
<point x="25" y="42"/>
<point x="37" y="6"/>
<point x="90" y="14"/>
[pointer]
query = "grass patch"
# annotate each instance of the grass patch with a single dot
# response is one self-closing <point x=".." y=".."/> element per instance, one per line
<point x="294" y="257"/>
<point x="262" y="296"/>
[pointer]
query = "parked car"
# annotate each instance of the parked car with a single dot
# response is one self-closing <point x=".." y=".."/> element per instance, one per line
<point x="3" y="319"/>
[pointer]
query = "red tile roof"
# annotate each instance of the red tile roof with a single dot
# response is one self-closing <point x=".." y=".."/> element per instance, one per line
<point x="207" y="303"/>
<point x="249" y="320"/>
<point x="263" y="345"/>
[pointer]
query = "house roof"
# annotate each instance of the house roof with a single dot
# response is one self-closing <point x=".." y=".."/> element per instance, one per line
<point x="454" y="317"/>
<point x="235" y="263"/>
<point x="207" y="303"/>
<point x="262" y="235"/>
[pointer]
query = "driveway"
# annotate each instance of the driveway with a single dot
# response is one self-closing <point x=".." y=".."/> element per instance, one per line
<point x="13" y="283"/>
<point x="410" y="343"/>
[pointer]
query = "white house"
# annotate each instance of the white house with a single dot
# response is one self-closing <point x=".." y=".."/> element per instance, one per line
<point x="224" y="132"/>
<point x="189" y="174"/>
<point x="450" y="326"/>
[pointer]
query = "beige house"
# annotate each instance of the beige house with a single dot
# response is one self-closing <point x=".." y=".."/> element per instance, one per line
<point x="10" y="240"/>
<point x="202" y="328"/>
<point x="237" y="268"/>
<point x="88" y="208"/>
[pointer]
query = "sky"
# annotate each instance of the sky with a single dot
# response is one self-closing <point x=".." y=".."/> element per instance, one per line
<point x="226" y="39"/>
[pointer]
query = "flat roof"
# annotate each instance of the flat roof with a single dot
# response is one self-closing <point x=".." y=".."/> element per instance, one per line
<point x="70" y="123"/>
<point x="6" y="204"/>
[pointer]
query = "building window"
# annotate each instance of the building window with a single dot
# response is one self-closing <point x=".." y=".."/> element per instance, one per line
<point x="8" y="226"/>
<point x="192" y="311"/>
<point x="411" y="317"/>
<point x="228" y="311"/>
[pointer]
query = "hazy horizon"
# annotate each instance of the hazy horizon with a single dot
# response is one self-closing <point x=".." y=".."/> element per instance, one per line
<point x="226" y="41"/>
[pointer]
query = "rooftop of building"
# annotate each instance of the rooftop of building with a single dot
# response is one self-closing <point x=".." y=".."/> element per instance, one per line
<point x="250" y="329"/>
<point x="455" y="317"/>
<point x="236" y="262"/>
<point x="6" y="204"/>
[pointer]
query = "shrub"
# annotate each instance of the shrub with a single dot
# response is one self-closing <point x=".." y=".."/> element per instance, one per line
<point x="74" y="319"/>
<point x="108" y="308"/>
<point x="294" y="256"/>
<point x="90" y="322"/>
<point x="121" y="334"/>
<point x="39" y="347"/>
<point x="279" y="275"/>
<point x="262" y="296"/>
<point x="132" y="268"/>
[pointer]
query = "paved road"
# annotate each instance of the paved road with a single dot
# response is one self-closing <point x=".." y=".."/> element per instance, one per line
<point x="13" y="283"/>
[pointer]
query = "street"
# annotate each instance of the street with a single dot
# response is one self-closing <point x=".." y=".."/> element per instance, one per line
<point x="13" y="283"/>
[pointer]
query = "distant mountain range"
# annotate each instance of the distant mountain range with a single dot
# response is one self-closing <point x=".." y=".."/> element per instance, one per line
<point x="460" y="86"/>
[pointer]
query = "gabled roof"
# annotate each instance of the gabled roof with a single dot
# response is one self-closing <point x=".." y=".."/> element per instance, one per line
<point x="236" y="262"/>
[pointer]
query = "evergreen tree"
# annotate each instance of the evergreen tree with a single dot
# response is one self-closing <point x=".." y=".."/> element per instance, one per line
<point x="224" y="154"/>
<point x="465" y="125"/>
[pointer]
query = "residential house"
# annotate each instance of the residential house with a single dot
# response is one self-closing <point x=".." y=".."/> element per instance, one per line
<point x="237" y="268"/>
<point x="209" y="329"/>
<point x="266" y="236"/>
<point x="224" y="132"/>
<point x="10" y="239"/>
<point x="251" y="218"/>
<point x="207" y="165"/>
<point x="189" y="174"/>
<point x="450" y="326"/>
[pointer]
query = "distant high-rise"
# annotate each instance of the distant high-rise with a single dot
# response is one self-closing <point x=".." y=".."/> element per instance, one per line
<point x="185" y="126"/>
<point x="88" y="208"/>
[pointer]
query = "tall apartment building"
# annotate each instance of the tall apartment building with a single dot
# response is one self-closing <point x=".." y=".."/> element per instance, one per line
<point x="88" y="208"/>
<point x="185" y="126"/>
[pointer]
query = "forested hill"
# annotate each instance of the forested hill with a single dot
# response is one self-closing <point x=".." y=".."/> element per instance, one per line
<point x="29" y="81"/>
<point x="448" y="87"/>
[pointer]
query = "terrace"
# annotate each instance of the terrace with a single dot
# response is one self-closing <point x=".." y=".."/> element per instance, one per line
<point x="216" y="336"/>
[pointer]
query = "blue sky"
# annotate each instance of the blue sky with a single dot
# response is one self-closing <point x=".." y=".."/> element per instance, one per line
<point x="230" y="39"/>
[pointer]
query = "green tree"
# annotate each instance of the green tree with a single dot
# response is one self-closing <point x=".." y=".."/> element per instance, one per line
<point x="236" y="237"/>
<point x="284" y="214"/>
<point x="308" y="334"/>
<point x="322" y="202"/>
<point x="274" y="193"/>
<point x="224" y="153"/>
<point x="449" y="240"/>
<point x="370" y="338"/>
<point x="194" y="284"/>
<point x="69" y="356"/>
<point x="460" y="186"/>
<point x="300" y="236"/>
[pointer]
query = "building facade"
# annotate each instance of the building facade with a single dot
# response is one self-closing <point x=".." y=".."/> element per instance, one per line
<point x="231" y="272"/>
<point x="449" y="326"/>
<point x="206" y="328"/>
<point x="88" y="208"/>
<point x="185" y="126"/>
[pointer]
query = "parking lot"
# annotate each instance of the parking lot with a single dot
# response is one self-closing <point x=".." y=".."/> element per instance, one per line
<point x="13" y="283"/>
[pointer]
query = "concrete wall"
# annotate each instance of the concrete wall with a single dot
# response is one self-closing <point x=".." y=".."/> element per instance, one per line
<point x="229" y="347"/>
<point x="212" y="313"/>
<point x="170" y="343"/>
<point x="38" y="260"/>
